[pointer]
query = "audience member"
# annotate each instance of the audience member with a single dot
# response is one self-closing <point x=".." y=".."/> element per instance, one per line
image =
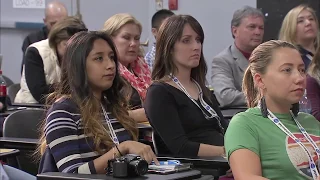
<point x="156" y="21"/>
<point x="42" y="62"/>
<point x="54" y="12"/>
<point x="313" y="85"/>
<point x="272" y="137"/>
<point x="88" y="123"/>
<point x="300" y="27"/>
<point x="182" y="111"/>
<point x="247" y="27"/>
<point x="125" y="31"/>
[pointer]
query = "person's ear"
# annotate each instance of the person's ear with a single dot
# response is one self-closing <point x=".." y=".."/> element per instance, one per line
<point x="154" y="32"/>
<point x="234" y="31"/>
<point x="259" y="81"/>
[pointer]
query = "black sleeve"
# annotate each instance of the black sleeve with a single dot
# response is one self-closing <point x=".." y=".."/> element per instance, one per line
<point x="25" y="45"/>
<point x="215" y="106"/>
<point x="35" y="77"/>
<point x="135" y="100"/>
<point x="164" y="118"/>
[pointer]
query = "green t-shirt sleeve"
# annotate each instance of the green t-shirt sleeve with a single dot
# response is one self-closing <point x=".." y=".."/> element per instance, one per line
<point x="241" y="134"/>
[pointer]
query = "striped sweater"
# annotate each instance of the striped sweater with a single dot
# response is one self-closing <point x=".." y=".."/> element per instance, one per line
<point x="72" y="150"/>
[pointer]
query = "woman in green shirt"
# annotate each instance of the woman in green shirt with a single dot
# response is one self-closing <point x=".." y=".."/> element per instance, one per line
<point x="272" y="138"/>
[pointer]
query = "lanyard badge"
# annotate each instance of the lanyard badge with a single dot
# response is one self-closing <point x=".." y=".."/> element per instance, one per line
<point x="212" y="112"/>
<point x="112" y="133"/>
<point x="312" y="164"/>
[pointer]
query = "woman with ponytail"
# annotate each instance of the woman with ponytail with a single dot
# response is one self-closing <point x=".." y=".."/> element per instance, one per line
<point x="272" y="137"/>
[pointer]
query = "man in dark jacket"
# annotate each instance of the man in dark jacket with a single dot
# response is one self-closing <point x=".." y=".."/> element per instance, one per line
<point x="54" y="12"/>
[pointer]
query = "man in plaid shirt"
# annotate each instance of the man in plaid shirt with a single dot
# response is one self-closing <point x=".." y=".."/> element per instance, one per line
<point x="156" y="22"/>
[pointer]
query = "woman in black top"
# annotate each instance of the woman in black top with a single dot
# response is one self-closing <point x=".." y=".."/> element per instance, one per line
<point x="176" y="102"/>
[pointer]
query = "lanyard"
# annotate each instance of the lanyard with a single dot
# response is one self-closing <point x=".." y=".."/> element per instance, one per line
<point x="282" y="127"/>
<point x="309" y="57"/>
<point x="112" y="133"/>
<point x="202" y="102"/>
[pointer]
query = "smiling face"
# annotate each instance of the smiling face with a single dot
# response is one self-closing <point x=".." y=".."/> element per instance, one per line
<point x="127" y="41"/>
<point x="284" y="81"/>
<point x="187" y="50"/>
<point x="100" y="66"/>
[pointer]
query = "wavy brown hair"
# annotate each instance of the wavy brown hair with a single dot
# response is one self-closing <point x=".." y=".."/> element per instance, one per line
<point x="169" y="33"/>
<point x="75" y="85"/>
<point x="314" y="67"/>
<point x="64" y="29"/>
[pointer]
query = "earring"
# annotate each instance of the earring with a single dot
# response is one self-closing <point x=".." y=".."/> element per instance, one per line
<point x="263" y="107"/>
<point x="295" y="109"/>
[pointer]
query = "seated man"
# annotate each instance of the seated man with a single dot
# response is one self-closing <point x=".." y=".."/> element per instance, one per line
<point x="247" y="27"/>
<point x="54" y="12"/>
<point x="156" y="22"/>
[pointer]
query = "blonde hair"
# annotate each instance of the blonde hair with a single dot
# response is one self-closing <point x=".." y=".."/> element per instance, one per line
<point x="314" y="67"/>
<point x="117" y="21"/>
<point x="288" y="28"/>
<point x="258" y="63"/>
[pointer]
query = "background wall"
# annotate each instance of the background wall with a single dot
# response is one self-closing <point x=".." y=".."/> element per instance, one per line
<point x="214" y="16"/>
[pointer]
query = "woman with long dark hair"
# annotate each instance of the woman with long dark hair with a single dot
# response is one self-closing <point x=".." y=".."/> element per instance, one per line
<point x="88" y="122"/>
<point x="178" y="98"/>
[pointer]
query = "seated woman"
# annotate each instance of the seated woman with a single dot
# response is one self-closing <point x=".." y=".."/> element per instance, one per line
<point x="88" y="123"/>
<point x="42" y="62"/>
<point x="126" y="31"/>
<point x="182" y="111"/>
<point x="273" y="139"/>
<point x="313" y="85"/>
<point x="300" y="27"/>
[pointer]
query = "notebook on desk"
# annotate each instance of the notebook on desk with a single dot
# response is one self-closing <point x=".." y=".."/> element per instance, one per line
<point x="212" y="162"/>
<point x="170" y="166"/>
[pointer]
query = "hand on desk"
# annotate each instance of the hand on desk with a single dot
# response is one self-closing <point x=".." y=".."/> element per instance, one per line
<point x="142" y="150"/>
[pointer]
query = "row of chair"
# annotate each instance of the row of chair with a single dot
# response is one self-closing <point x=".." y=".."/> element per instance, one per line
<point x="12" y="91"/>
<point x="25" y="124"/>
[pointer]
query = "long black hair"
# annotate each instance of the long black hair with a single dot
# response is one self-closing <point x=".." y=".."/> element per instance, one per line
<point x="75" y="85"/>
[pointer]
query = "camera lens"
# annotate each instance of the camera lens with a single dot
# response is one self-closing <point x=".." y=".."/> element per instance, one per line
<point x="120" y="169"/>
<point x="139" y="167"/>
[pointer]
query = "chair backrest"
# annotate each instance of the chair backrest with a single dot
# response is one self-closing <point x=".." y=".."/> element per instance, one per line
<point x="154" y="143"/>
<point x="12" y="92"/>
<point x="9" y="82"/>
<point x="159" y="146"/>
<point x="23" y="124"/>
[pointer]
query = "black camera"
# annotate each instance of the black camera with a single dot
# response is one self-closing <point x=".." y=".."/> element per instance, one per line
<point x="127" y="166"/>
